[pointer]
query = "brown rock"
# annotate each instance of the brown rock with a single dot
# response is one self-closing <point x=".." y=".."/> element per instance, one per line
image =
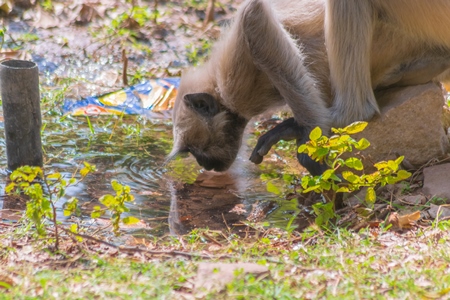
<point x="437" y="181"/>
<point x="410" y="124"/>
<point x="215" y="180"/>
<point x="440" y="211"/>
<point x="215" y="276"/>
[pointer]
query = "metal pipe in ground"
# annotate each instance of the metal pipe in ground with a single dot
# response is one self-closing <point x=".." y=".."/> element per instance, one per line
<point x="19" y="86"/>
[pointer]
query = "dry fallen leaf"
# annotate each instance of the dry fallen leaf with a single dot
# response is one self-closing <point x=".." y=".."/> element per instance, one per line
<point x="403" y="222"/>
<point x="6" y="282"/>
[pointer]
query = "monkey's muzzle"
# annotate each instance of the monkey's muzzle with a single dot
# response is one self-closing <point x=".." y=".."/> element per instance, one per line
<point x="211" y="163"/>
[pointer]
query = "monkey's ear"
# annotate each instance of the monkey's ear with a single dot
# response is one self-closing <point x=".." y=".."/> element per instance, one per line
<point x="203" y="103"/>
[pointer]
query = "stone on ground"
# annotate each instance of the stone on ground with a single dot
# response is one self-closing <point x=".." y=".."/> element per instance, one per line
<point x="437" y="181"/>
<point x="410" y="124"/>
<point x="215" y="276"/>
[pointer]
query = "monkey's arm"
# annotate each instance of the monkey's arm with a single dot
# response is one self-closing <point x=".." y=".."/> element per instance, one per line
<point x="287" y="130"/>
<point x="276" y="53"/>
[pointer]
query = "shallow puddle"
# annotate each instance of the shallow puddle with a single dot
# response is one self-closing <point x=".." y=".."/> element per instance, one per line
<point x="173" y="198"/>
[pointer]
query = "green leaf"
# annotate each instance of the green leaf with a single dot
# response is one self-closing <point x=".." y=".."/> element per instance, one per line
<point x="10" y="187"/>
<point x="54" y="176"/>
<point x="354" y="163"/>
<point x="129" y="198"/>
<point x="130" y="220"/>
<point x="271" y="188"/>
<point x="87" y="169"/>
<point x="74" y="228"/>
<point x="336" y="178"/>
<point x="343" y="189"/>
<point x="402" y="174"/>
<point x="116" y="186"/>
<point x="307" y="180"/>
<point x="399" y="160"/>
<point x="321" y="152"/>
<point x="338" y="131"/>
<point x="84" y="172"/>
<point x="312" y="188"/>
<point x="371" y="195"/>
<point x="355" y="127"/>
<point x="350" y="177"/>
<point x="302" y="148"/>
<point x="315" y="134"/>
<point x="327" y="174"/>
<point x="108" y="200"/>
<point x="325" y="185"/>
<point x="393" y="165"/>
<point x="97" y="212"/>
<point x="362" y="144"/>
<point x="71" y="207"/>
<point x="381" y="165"/>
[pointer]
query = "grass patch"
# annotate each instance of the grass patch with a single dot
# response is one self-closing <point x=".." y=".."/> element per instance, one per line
<point x="371" y="264"/>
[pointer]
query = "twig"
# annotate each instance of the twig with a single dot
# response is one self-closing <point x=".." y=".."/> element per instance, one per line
<point x="125" y="68"/>
<point x="136" y="249"/>
<point x="55" y="223"/>
<point x="212" y="239"/>
<point x="226" y="224"/>
<point x="209" y="13"/>
<point x="155" y="10"/>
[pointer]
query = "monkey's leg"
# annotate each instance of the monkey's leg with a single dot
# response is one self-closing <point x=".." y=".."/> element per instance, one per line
<point x="417" y="72"/>
<point x="276" y="54"/>
<point x="349" y="26"/>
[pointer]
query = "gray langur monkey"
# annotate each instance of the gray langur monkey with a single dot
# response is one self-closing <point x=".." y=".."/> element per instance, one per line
<point x="274" y="53"/>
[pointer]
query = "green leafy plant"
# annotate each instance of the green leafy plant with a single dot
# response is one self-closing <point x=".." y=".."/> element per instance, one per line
<point x="197" y="53"/>
<point x="47" y="5"/>
<point x="116" y="204"/>
<point x="196" y="4"/>
<point x="126" y="29"/>
<point x="344" y="175"/>
<point x="43" y="192"/>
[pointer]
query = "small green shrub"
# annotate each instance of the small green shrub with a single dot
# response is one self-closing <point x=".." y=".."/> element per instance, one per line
<point x="344" y="175"/>
<point x="116" y="205"/>
<point x="41" y="209"/>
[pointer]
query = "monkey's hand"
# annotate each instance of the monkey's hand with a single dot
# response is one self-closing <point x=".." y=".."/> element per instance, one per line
<point x="286" y="130"/>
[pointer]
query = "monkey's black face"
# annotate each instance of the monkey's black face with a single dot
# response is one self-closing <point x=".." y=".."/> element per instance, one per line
<point x="207" y="130"/>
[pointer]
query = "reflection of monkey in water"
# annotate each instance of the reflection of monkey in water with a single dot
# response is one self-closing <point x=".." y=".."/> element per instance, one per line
<point x="274" y="53"/>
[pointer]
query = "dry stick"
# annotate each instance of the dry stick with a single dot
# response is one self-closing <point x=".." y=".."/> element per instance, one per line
<point x="207" y="236"/>
<point x="135" y="249"/>
<point x="155" y="9"/>
<point x="125" y="67"/>
<point x="53" y="220"/>
<point x="209" y="13"/>
<point x="226" y="224"/>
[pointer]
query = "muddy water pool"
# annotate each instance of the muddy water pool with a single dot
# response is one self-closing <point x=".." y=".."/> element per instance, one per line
<point x="169" y="198"/>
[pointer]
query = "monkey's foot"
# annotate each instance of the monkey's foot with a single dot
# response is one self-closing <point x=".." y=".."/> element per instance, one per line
<point x="343" y="115"/>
